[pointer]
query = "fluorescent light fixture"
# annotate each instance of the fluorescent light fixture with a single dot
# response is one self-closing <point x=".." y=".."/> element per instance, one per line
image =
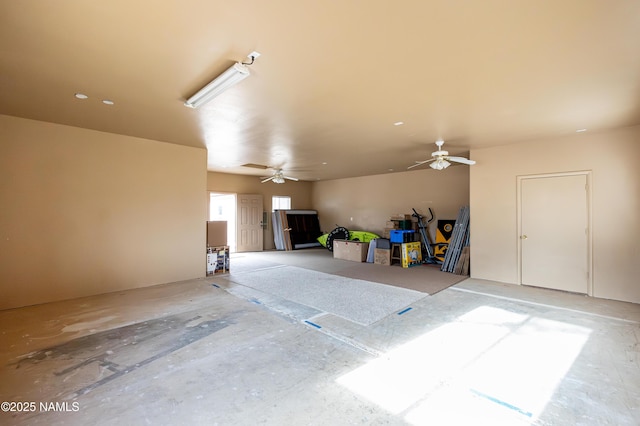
<point x="440" y="164"/>
<point x="234" y="74"/>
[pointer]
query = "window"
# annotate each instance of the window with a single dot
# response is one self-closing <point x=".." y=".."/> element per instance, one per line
<point x="280" y="203"/>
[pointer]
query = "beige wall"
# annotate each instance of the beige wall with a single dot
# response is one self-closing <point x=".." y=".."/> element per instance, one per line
<point x="300" y="193"/>
<point x="613" y="159"/>
<point x="366" y="203"/>
<point x="86" y="212"/>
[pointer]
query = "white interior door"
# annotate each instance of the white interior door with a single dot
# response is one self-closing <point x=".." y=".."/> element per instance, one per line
<point x="554" y="238"/>
<point x="250" y="232"/>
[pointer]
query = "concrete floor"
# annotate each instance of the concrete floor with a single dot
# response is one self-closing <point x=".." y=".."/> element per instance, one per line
<point x="193" y="353"/>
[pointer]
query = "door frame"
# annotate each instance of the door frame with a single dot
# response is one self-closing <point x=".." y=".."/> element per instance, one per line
<point x="588" y="175"/>
<point x="231" y="222"/>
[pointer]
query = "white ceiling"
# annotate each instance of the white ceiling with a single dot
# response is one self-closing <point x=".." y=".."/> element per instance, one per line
<point x="333" y="78"/>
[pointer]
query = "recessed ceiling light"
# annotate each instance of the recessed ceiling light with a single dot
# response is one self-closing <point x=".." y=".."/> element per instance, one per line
<point x="81" y="96"/>
<point x="324" y="162"/>
<point x="390" y="170"/>
<point x="398" y="123"/>
<point x="107" y="102"/>
<point x="581" y="130"/>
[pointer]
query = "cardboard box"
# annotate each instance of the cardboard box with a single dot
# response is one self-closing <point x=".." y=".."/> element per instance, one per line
<point x="401" y="217"/>
<point x="411" y="254"/>
<point x="382" y="257"/>
<point x="355" y="251"/>
<point x="216" y="233"/>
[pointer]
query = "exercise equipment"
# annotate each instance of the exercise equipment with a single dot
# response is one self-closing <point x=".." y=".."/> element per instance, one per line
<point x="339" y="233"/>
<point x="427" y="246"/>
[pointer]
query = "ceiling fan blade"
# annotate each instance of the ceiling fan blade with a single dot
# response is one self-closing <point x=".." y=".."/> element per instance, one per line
<point x="420" y="163"/>
<point x="462" y="160"/>
<point x="267" y="179"/>
<point x="290" y="178"/>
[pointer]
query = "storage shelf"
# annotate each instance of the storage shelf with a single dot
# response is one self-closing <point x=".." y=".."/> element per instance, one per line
<point x="217" y="260"/>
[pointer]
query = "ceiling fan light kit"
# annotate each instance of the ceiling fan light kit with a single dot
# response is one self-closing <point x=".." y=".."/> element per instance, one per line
<point x="278" y="177"/>
<point x="231" y="76"/>
<point x="440" y="164"/>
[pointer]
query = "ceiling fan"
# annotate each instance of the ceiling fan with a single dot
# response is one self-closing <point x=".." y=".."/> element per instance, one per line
<point x="440" y="159"/>
<point x="278" y="177"/>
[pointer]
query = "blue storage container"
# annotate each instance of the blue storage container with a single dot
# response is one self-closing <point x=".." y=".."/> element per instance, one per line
<point x="401" y="236"/>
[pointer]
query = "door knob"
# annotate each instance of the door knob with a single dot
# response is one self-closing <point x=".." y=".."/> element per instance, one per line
<point x="523" y="237"/>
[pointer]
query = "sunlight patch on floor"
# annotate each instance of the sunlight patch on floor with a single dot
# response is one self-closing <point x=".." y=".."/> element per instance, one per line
<point x="488" y="364"/>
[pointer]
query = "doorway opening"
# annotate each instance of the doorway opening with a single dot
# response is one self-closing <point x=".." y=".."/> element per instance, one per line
<point x="223" y="207"/>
